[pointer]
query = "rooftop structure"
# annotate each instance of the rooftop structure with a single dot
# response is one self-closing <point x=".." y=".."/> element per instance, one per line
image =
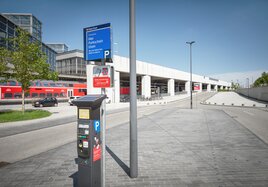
<point x="58" y="47"/>
<point x="27" y="22"/>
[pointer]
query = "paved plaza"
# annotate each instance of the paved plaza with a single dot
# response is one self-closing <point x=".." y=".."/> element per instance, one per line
<point x="177" y="147"/>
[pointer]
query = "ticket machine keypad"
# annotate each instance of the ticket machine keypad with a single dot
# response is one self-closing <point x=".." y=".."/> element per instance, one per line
<point x="83" y="139"/>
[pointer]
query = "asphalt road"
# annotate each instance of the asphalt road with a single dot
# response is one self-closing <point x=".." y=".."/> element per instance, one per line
<point x="23" y="143"/>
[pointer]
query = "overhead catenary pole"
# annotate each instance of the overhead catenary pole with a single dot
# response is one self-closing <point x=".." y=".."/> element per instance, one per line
<point x="133" y="93"/>
<point x="191" y="86"/>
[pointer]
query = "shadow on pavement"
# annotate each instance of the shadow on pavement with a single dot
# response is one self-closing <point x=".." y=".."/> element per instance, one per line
<point x="119" y="161"/>
<point x="126" y="169"/>
<point x="74" y="176"/>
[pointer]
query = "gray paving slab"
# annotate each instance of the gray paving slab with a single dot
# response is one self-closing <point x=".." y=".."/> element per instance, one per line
<point x="234" y="99"/>
<point x="177" y="147"/>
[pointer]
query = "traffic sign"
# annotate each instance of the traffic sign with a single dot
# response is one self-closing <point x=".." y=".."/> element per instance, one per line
<point x="101" y="82"/>
<point x="102" y="77"/>
<point x="97" y="42"/>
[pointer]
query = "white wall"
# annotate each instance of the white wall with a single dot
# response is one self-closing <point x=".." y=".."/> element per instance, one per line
<point x="260" y="93"/>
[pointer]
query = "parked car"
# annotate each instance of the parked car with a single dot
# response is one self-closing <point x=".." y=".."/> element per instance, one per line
<point x="71" y="99"/>
<point x="48" y="101"/>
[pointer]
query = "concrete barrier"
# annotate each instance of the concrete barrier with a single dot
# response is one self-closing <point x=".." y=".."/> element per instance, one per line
<point x="259" y="93"/>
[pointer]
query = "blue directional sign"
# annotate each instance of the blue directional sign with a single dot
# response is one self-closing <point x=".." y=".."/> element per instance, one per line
<point x="97" y="126"/>
<point x="97" y="42"/>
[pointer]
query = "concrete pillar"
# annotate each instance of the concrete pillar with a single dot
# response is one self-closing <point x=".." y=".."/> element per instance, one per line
<point x="187" y="87"/>
<point x="201" y="88"/>
<point x="116" y="87"/>
<point x="146" y="86"/>
<point x="171" y="87"/>
<point x="216" y="88"/>
<point x="209" y="88"/>
<point x="90" y="88"/>
<point x="221" y="88"/>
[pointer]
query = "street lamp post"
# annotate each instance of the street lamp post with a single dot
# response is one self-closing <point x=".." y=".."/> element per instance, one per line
<point x="133" y="93"/>
<point x="248" y="86"/>
<point x="190" y="43"/>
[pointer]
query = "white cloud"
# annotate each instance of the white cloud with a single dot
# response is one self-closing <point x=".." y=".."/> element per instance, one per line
<point x="240" y="77"/>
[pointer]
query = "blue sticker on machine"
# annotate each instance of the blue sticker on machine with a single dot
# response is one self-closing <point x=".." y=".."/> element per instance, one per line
<point x="97" y="126"/>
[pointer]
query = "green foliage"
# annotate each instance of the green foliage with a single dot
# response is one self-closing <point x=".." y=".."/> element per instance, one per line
<point x="235" y="86"/>
<point x="11" y="115"/>
<point x="25" y="62"/>
<point x="4" y="67"/>
<point x="262" y="81"/>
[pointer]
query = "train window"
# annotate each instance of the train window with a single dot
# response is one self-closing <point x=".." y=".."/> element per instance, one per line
<point x="49" y="94"/>
<point x="19" y="83"/>
<point x="8" y="95"/>
<point x="52" y="84"/>
<point x="37" y="83"/>
<point x="31" y="83"/>
<point x="82" y="90"/>
<point x="45" y="84"/>
<point x="65" y="85"/>
<point x="42" y="95"/>
<point x="12" y="83"/>
<point x="71" y="85"/>
<point x="17" y="95"/>
<point x="3" y="83"/>
<point x="62" y="95"/>
<point x="58" y="85"/>
<point x="27" y="95"/>
<point x="34" y="94"/>
<point x="56" y="95"/>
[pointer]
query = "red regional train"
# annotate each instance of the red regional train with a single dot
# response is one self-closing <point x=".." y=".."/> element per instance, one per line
<point x="60" y="89"/>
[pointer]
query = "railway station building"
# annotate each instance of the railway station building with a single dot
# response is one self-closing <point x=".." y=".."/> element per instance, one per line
<point x="152" y="80"/>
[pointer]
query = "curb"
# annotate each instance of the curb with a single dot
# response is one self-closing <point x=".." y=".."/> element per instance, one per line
<point x="232" y="105"/>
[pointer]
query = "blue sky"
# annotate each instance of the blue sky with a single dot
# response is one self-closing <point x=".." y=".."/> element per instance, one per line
<point x="231" y="35"/>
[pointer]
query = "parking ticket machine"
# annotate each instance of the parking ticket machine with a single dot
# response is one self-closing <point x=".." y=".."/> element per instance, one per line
<point x="89" y="143"/>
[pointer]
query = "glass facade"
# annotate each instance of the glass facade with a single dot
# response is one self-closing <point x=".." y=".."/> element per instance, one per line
<point x="51" y="56"/>
<point x="59" y="48"/>
<point x="72" y="66"/>
<point x="8" y="29"/>
<point x="28" y="22"/>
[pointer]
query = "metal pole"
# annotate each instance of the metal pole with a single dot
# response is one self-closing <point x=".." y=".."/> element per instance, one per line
<point x="191" y="84"/>
<point x="103" y="115"/>
<point x="248" y="86"/>
<point x="133" y="93"/>
<point x="191" y="90"/>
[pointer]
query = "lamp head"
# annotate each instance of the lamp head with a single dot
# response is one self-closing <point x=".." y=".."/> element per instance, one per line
<point x="190" y="42"/>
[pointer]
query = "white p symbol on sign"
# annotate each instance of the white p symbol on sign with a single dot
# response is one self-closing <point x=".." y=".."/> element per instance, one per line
<point x="106" y="53"/>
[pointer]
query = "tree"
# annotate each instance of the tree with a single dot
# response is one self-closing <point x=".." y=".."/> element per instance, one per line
<point x="262" y="81"/>
<point x="4" y="67"/>
<point x="26" y="61"/>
